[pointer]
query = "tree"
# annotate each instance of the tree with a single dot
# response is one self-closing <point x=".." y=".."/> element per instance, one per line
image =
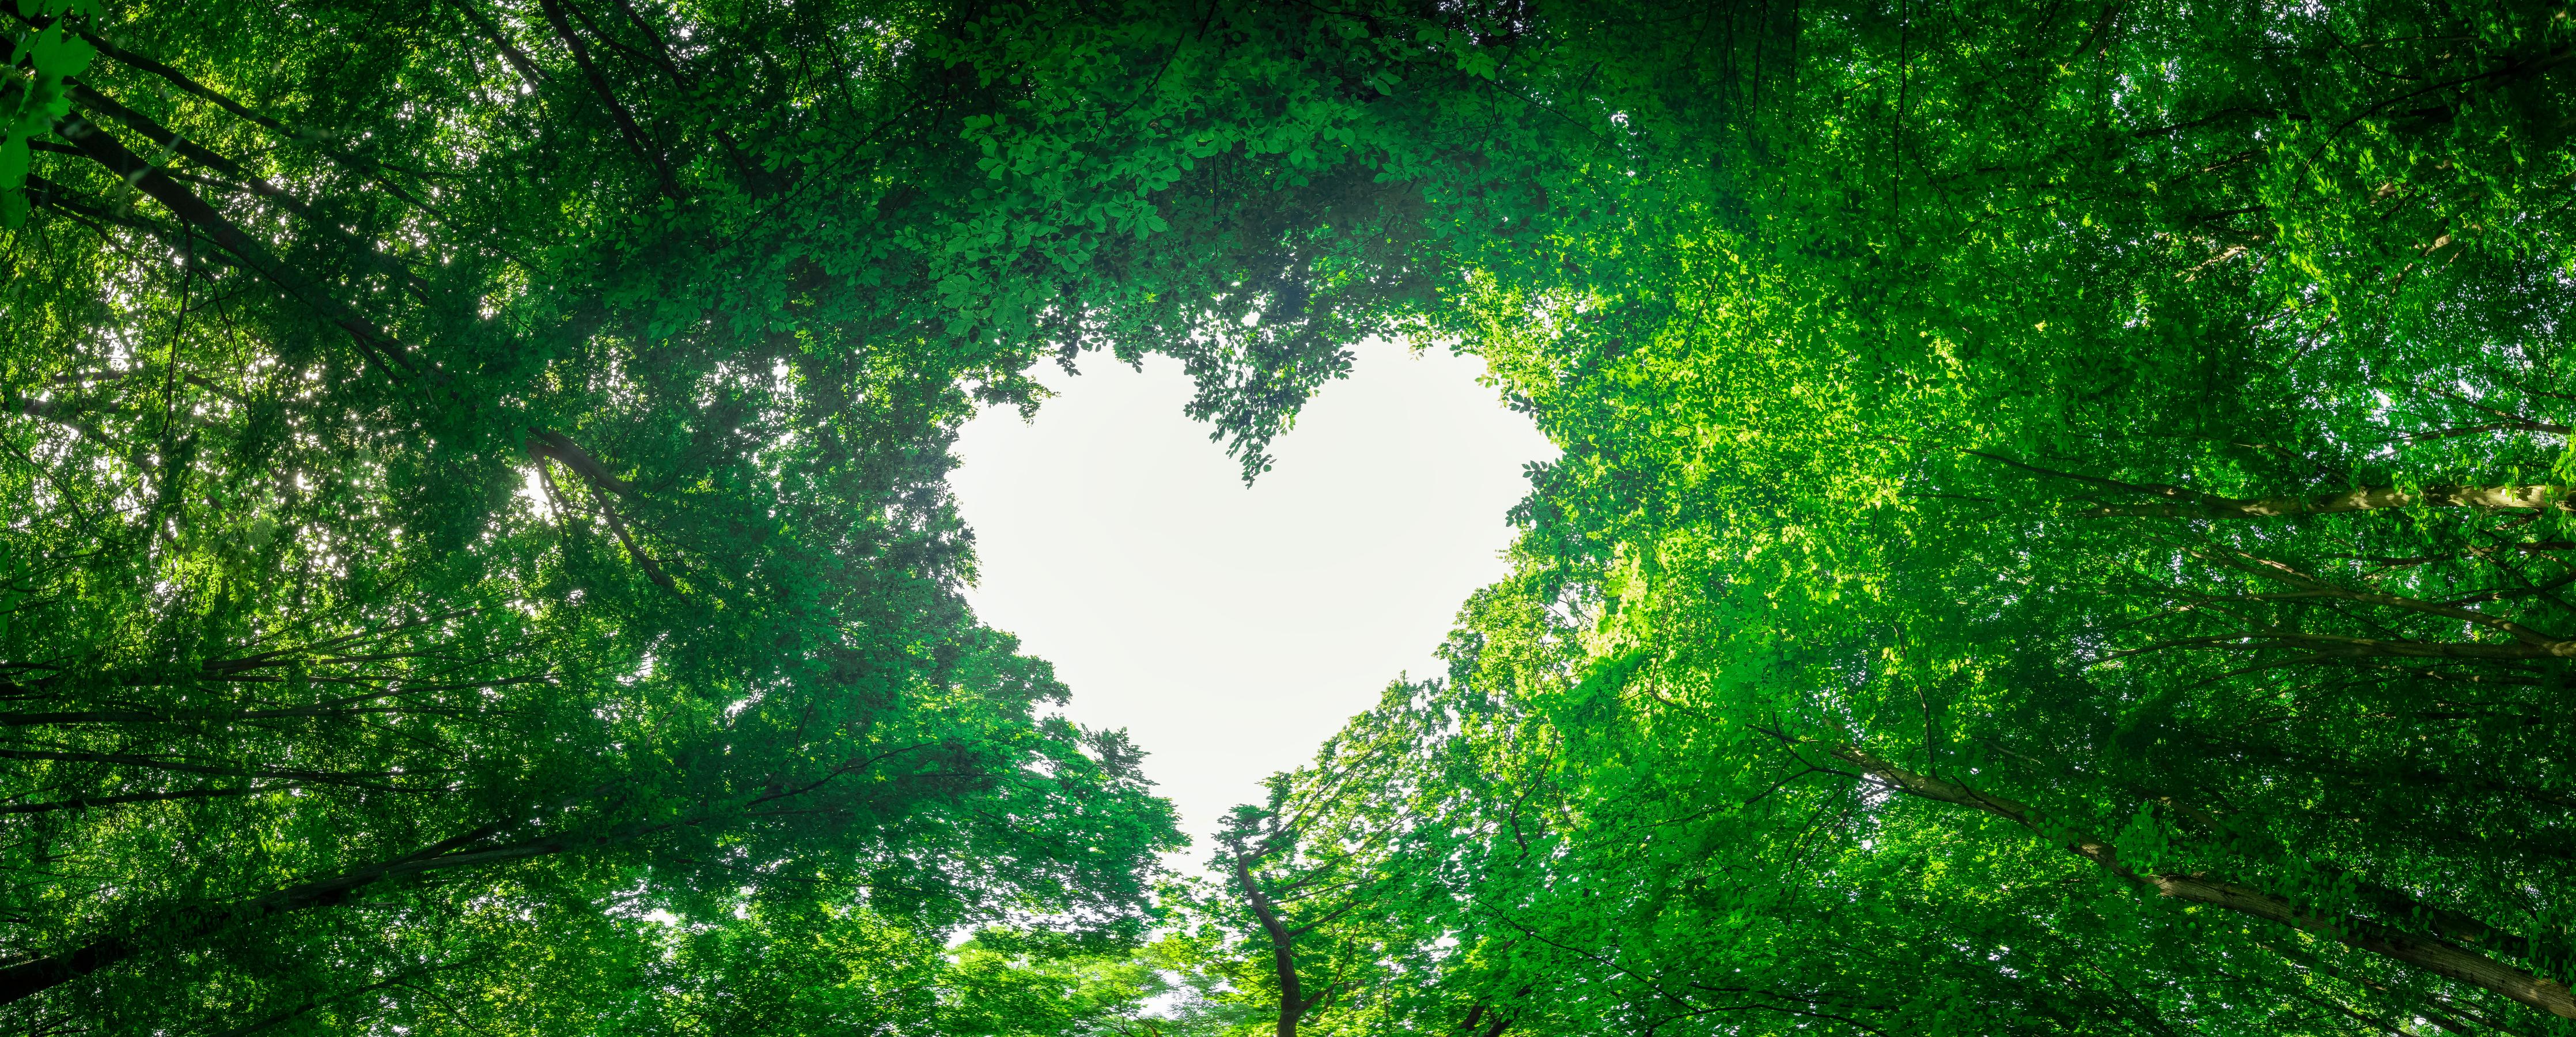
<point x="2057" y="528"/>
<point x="482" y="462"/>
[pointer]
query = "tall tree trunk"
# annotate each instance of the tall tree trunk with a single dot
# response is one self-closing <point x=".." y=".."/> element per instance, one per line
<point x="1283" y="956"/>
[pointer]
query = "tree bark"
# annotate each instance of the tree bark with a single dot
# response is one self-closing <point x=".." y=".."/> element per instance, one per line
<point x="155" y="132"/>
<point x="547" y="444"/>
<point x="635" y="139"/>
<point x="29" y="978"/>
<point x="351" y="778"/>
<point x="518" y="58"/>
<point x="107" y="151"/>
<point x="2368" y="498"/>
<point x="1283" y="955"/>
<point x="93" y="802"/>
<point x="2429" y="953"/>
<point x="181" y="80"/>
<point x="2185" y="502"/>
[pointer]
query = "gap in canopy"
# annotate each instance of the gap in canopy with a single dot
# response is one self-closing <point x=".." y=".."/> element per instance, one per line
<point x="1231" y="630"/>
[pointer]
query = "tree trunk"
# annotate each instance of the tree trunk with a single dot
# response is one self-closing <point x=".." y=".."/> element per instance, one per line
<point x="2429" y="953"/>
<point x="1283" y="957"/>
<point x="183" y="203"/>
<point x="2368" y="498"/>
<point x="29" y="978"/>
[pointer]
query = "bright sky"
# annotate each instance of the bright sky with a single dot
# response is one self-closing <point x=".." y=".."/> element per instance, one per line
<point x="1230" y="630"/>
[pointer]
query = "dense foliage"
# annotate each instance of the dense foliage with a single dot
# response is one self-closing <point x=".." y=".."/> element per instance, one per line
<point x="2060" y="528"/>
<point x="476" y="505"/>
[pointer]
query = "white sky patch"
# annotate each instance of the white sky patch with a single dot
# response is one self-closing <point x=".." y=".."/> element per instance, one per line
<point x="1230" y="630"/>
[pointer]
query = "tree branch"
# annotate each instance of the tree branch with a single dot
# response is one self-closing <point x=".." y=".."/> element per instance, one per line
<point x="626" y="124"/>
<point x="2431" y="954"/>
<point x="379" y="347"/>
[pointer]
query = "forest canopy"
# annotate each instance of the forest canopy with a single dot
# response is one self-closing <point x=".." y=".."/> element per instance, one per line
<point x="2064" y="522"/>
